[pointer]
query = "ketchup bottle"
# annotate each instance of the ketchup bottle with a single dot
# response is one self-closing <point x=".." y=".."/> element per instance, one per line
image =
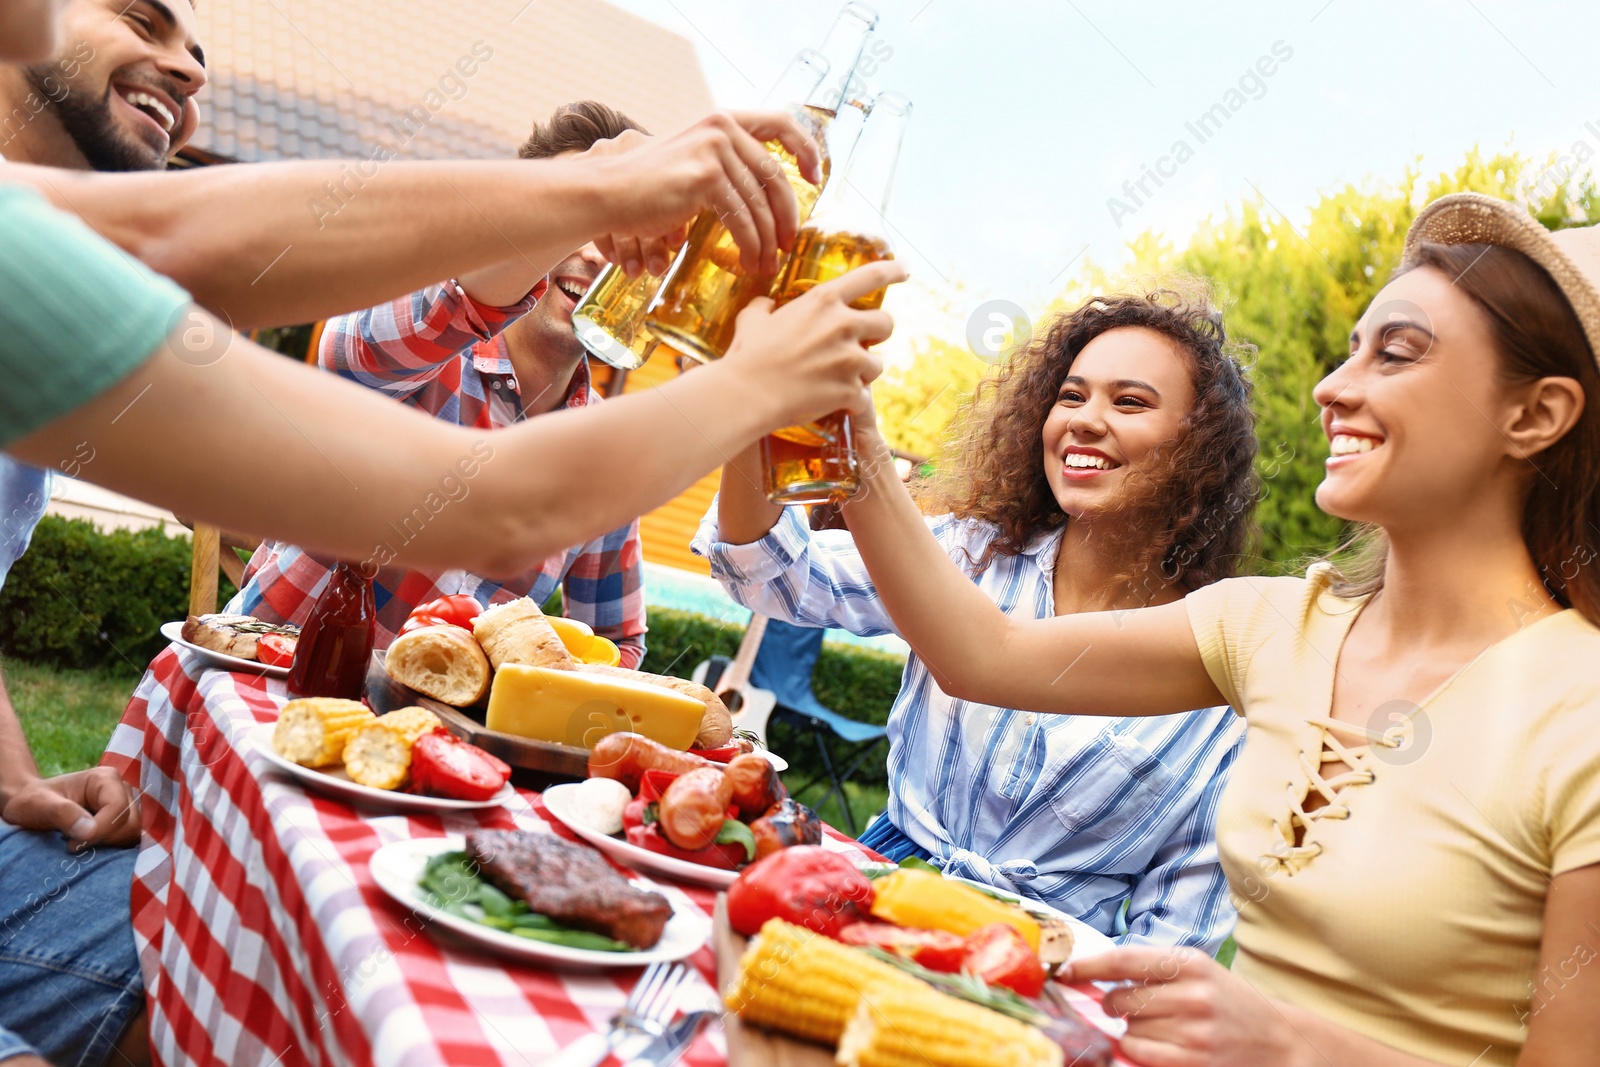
<point x="335" y="644"/>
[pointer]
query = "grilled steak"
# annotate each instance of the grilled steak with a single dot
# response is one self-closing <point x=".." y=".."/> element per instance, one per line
<point x="571" y="883"/>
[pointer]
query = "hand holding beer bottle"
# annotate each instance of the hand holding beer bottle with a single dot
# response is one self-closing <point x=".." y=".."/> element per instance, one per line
<point x="718" y="165"/>
<point x="814" y="352"/>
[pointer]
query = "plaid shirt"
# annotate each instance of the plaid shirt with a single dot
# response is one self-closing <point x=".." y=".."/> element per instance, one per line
<point x="1082" y="812"/>
<point x="441" y="352"/>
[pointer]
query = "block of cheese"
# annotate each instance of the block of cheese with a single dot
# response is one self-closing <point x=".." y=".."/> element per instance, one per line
<point x="573" y="708"/>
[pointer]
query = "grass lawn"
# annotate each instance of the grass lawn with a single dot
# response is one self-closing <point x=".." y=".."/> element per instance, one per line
<point x="67" y="715"/>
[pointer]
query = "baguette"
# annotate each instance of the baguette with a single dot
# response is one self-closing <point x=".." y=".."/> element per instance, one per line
<point x="442" y="662"/>
<point x="716" y="727"/>
<point x="518" y="632"/>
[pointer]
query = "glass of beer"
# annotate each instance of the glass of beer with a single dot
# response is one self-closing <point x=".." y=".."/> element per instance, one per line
<point x="816" y="463"/>
<point x="609" y="320"/>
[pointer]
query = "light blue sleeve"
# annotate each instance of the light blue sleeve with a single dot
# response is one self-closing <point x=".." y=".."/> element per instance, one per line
<point x="24" y="494"/>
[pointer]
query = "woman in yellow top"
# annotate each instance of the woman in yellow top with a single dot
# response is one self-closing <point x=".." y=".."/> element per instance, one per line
<point x="1412" y="833"/>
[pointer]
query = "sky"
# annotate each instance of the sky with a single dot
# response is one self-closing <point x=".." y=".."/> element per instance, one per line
<point x="1029" y="117"/>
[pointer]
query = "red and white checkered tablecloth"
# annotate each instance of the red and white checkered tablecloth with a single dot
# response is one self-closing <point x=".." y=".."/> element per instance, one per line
<point x="263" y="937"/>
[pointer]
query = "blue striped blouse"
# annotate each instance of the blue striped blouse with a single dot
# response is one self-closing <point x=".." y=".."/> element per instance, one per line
<point x="1085" y="813"/>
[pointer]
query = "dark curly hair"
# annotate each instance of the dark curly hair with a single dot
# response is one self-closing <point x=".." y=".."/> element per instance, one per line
<point x="1197" y="501"/>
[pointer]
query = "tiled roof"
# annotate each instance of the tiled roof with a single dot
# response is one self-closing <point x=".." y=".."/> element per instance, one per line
<point x="303" y="79"/>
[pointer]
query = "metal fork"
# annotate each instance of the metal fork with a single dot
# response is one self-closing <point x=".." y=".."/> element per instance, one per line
<point x="642" y="1019"/>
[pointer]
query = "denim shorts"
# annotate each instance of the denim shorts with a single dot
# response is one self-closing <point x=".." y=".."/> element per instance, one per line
<point x="69" y="975"/>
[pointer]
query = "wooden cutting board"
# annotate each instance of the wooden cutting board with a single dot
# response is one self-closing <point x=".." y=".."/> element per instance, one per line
<point x="540" y="763"/>
<point x="751" y="1046"/>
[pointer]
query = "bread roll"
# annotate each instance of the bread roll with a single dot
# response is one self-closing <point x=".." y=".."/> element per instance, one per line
<point x="442" y="662"/>
<point x="518" y="632"/>
<point x="716" y="726"/>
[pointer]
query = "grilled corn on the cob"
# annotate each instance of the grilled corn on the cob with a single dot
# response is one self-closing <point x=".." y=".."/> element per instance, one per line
<point x="926" y="1028"/>
<point x="934" y="902"/>
<point x="804" y="984"/>
<point x="313" y="732"/>
<point x="379" y="754"/>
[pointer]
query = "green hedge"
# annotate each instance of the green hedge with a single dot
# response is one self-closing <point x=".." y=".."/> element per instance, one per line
<point x="84" y="598"/>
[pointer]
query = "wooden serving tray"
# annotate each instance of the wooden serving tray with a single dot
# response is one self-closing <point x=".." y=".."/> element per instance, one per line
<point x="751" y="1046"/>
<point x="536" y="763"/>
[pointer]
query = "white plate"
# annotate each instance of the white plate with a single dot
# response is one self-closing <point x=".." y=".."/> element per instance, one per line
<point x="334" y="782"/>
<point x="556" y="798"/>
<point x="1086" y="940"/>
<point x="397" y="866"/>
<point x="173" y="631"/>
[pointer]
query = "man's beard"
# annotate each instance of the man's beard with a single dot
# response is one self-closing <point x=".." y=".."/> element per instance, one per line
<point x="91" y="123"/>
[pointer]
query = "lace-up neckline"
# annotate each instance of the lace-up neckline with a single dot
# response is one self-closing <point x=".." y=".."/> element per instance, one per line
<point x="1295" y="827"/>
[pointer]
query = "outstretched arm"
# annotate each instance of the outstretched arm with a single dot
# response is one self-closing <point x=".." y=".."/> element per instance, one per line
<point x="1142" y="662"/>
<point x="269" y="244"/>
<point x="254" y="442"/>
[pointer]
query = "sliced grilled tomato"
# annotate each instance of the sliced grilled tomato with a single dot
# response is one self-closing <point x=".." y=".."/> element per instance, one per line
<point x="275" y="650"/>
<point x="998" y="954"/>
<point x="937" y="950"/>
<point x="442" y="766"/>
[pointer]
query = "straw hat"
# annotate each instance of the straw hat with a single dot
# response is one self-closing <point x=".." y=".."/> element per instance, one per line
<point x="1571" y="257"/>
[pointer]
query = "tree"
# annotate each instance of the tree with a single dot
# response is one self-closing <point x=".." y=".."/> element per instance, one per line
<point x="1294" y="291"/>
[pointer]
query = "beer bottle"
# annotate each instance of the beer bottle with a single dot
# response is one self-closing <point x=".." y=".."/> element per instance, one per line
<point x="609" y="320"/>
<point x="699" y="303"/>
<point x="816" y="463"/>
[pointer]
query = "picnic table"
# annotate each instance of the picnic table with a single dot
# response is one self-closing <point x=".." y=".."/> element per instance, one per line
<point x="263" y="936"/>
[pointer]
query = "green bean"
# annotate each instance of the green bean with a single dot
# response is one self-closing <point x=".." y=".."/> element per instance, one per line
<point x="573" y="939"/>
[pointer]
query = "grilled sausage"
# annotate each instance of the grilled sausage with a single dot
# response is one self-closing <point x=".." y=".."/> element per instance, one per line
<point x="787" y="823"/>
<point x="755" y="784"/>
<point x="626" y="756"/>
<point x="693" y="807"/>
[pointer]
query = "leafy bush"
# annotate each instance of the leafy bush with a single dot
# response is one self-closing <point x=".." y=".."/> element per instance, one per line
<point x="85" y="598"/>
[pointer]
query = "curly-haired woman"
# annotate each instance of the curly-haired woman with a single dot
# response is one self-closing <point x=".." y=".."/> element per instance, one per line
<point x="1108" y="466"/>
<point x="1415" y="818"/>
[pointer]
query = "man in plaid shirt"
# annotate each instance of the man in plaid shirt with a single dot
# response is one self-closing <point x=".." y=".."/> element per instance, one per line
<point x="456" y="351"/>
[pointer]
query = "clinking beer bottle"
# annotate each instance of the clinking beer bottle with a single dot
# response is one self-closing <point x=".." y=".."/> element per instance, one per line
<point x="610" y="319"/>
<point x="698" y="304"/>
<point x="816" y="463"/>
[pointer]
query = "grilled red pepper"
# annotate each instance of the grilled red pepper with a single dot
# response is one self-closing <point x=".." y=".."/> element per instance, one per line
<point x="806" y="885"/>
<point x="937" y="950"/>
<point x="457" y="610"/>
<point x="442" y="766"/>
<point x="417" y="620"/>
<point x="999" y="955"/>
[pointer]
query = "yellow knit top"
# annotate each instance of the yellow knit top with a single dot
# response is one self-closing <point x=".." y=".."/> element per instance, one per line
<point x="1409" y="908"/>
